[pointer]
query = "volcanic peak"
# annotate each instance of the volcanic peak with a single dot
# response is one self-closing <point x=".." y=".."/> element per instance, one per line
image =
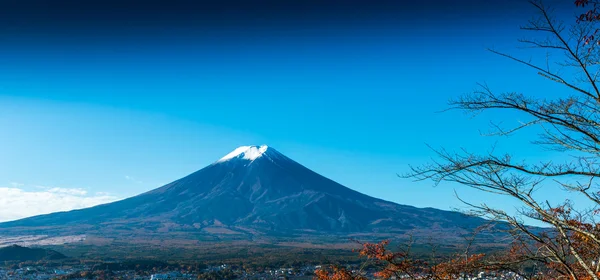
<point x="246" y="152"/>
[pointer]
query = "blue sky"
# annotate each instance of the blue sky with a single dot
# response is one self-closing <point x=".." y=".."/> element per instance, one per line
<point x="113" y="115"/>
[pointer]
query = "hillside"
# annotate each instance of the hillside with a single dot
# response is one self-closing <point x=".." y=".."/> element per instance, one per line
<point x="18" y="253"/>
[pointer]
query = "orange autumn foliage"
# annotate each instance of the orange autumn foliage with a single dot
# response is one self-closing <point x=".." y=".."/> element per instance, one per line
<point x="401" y="264"/>
<point x="337" y="273"/>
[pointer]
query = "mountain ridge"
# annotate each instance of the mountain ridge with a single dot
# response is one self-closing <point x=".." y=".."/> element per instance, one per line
<point x="252" y="191"/>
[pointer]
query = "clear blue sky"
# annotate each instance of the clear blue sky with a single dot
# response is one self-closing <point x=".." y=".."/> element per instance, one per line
<point x="122" y="114"/>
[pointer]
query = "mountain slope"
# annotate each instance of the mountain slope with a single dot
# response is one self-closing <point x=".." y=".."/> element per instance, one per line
<point x="254" y="190"/>
<point x="18" y="253"/>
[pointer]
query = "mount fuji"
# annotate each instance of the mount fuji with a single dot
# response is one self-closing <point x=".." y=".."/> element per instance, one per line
<point x="254" y="192"/>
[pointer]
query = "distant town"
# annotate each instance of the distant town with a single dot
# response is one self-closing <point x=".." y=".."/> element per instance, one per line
<point x="224" y="271"/>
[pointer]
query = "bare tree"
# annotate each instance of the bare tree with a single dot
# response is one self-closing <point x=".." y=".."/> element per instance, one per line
<point x="568" y="124"/>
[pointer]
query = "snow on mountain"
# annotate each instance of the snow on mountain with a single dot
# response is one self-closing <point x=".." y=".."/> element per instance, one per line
<point x="273" y="196"/>
<point x="246" y="152"/>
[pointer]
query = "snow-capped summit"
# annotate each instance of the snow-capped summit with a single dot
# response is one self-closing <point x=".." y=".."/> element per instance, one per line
<point x="246" y="152"/>
<point x="254" y="192"/>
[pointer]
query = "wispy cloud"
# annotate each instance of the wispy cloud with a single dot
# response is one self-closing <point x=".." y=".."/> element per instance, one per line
<point x="16" y="203"/>
<point x="132" y="179"/>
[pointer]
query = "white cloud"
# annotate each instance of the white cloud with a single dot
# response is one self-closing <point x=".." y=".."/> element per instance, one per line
<point x="16" y="203"/>
<point x="76" y="191"/>
<point x="129" y="178"/>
